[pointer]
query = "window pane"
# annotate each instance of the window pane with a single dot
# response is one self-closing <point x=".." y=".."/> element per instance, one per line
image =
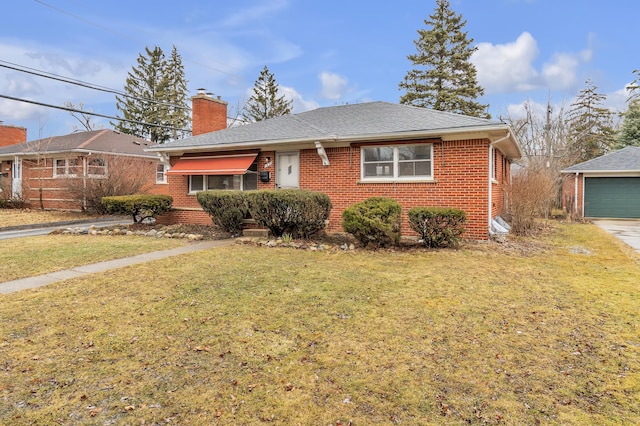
<point x="196" y="183"/>
<point x="60" y="167"/>
<point x="378" y="170"/>
<point x="250" y="181"/>
<point x="415" y="168"/>
<point x="414" y="152"/>
<point x="379" y="153"/>
<point x="224" y="182"/>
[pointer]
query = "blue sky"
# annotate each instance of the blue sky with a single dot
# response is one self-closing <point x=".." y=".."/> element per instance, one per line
<point x="321" y="53"/>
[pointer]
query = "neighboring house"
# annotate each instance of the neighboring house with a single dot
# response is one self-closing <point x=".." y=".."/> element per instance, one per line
<point x="51" y="173"/>
<point x="606" y="186"/>
<point x="416" y="156"/>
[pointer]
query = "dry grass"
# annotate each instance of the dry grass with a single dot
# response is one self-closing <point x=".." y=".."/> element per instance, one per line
<point x="18" y="217"/>
<point x="243" y="335"/>
<point x="26" y="257"/>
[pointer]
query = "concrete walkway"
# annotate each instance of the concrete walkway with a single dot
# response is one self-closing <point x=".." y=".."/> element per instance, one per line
<point x="626" y="230"/>
<point x="79" y="271"/>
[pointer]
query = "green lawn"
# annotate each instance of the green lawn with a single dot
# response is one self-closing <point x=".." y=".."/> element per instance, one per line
<point x="537" y="331"/>
<point x="18" y="217"/>
<point x="25" y="257"/>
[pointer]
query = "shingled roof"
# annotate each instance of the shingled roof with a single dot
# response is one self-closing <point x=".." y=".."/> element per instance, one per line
<point x="345" y="123"/>
<point x="97" y="141"/>
<point x="626" y="159"/>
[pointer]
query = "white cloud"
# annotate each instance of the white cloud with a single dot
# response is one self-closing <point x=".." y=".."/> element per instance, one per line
<point x="299" y="103"/>
<point x="333" y="85"/>
<point x="254" y="13"/>
<point x="507" y="67"/>
<point x="510" y="67"/>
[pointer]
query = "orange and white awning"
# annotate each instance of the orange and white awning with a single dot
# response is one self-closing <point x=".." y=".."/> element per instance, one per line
<point x="218" y="165"/>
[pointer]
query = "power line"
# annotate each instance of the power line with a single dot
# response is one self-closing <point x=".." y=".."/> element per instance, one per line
<point x="81" y="83"/>
<point x="65" y="108"/>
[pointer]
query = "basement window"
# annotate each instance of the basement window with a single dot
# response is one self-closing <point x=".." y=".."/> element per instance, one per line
<point x="397" y="162"/>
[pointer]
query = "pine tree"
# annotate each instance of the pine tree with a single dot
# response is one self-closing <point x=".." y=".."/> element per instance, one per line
<point x="177" y="99"/>
<point x="629" y="133"/>
<point x="265" y="103"/>
<point x="591" y="130"/>
<point x="155" y="98"/>
<point x="443" y="77"/>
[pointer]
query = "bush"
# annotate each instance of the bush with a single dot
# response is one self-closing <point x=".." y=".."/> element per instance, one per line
<point x="437" y="226"/>
<point x="289" y="211"/>
<point x="374" y="222"/>
<point x="533" y="192"/>
<point x="139" y="206"/>
<point x="226" y="208"/>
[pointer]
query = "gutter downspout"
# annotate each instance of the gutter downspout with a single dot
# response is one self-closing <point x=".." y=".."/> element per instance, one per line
<point x="491" y="159"/>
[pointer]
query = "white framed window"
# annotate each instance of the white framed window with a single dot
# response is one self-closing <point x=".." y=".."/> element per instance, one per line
<point x="397" y="162"/>
<point x="97" y="167"/>
<point x="244" y="182"/>
<point x="65" y="167"/>
<point x="492" y="163"/>
<point x="161" y="173"/>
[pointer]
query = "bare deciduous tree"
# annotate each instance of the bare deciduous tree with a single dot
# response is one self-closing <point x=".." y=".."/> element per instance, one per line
<point x="112" y="175"/>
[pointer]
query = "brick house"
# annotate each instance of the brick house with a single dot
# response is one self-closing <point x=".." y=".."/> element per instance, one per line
<point x="416" y="156"/>
<point x="52" y="172"/>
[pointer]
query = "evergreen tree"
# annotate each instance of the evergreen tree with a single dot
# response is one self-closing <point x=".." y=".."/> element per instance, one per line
<point x="265" y="103"/>
<point x="591" y="131"/>
<point x="155" y="98"/>
<point x="629" y="133"/>
<point x="634" y="88"/>
<point x="443" y="78"/>
<point x="177" y="99"/>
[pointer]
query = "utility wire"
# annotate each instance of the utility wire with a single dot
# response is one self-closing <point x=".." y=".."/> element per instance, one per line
<point x="64" y="108"/>
<point x="70" y="80"/>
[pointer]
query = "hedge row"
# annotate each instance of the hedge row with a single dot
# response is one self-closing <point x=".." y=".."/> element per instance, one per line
<point x="138" y="206"/>
<point x="299" y="213"/>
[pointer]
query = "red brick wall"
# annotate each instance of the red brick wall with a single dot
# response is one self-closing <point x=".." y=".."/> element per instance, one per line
<point x="10" y="135"/>
<point x="461" y="180"/>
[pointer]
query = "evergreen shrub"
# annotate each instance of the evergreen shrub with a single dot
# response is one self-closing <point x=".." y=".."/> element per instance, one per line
<point x="138" y="206"/>
<point x="227" y="209"/>
<point x="289" y="211"/>
<point x="374" y="222"/>
<point x="438" y="226"/>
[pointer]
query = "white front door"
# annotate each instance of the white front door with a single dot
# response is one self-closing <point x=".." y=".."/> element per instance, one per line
<point x="16" y="178"/>
<point x="288" y="170"/>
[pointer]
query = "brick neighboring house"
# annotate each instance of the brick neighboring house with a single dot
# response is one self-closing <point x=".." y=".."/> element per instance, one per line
<point x="51" y="172"/>
<point x="604" y="187"/>
<point x="416" y="156"/>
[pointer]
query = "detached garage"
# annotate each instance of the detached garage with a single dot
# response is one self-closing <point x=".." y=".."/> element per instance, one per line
<point x="604" y="187"/>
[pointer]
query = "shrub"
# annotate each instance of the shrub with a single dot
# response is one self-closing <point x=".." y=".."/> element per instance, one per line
<point x="374" y="222"/>
<point x="226" y="208"/>
<point x="533" y="192"/>
<point x="437" y="226"/>
<point x="139" y="206"/>
<point x="289" y="211"/>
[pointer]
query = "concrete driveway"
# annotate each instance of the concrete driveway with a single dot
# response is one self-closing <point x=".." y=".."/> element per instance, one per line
<point x="626" y="230"/>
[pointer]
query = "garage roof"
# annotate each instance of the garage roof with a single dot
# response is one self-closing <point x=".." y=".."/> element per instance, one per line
<point x="626" y="159"/>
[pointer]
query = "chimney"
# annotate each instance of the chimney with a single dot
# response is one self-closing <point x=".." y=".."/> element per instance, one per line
<point x="11" y="135"/>
<point x="208" y="114"/>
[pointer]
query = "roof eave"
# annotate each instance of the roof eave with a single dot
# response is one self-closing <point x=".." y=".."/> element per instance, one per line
<point x="494" y="133"/>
